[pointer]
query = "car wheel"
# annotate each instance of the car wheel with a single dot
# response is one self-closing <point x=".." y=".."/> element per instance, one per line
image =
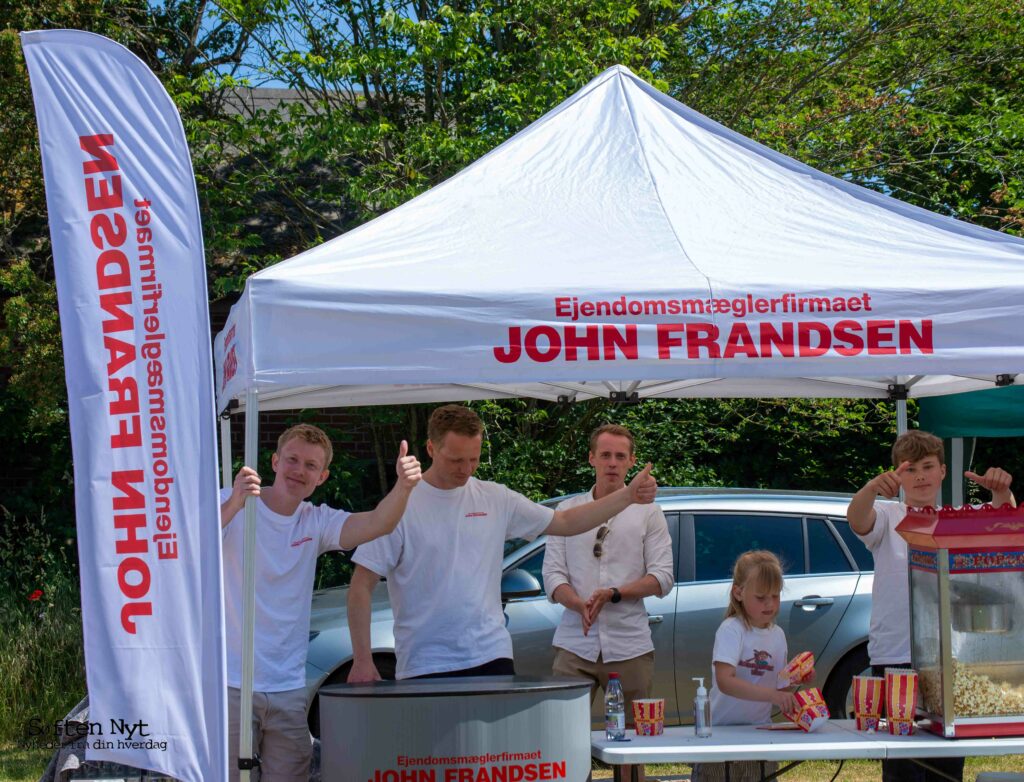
<point x="838" y="690"/>
<point x="385" y="666"/>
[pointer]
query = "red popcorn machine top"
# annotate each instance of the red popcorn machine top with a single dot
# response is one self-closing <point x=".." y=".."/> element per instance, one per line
<point x="967" y="617"/>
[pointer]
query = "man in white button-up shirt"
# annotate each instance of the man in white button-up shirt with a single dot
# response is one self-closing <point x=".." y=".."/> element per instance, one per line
<point x="603" y="576"/>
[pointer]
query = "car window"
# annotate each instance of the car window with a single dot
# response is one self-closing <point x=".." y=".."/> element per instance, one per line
<point x="721" y="537"/>
<point x="826" y="554"/>
<point x="514" y="545"/>
<point x="860" y="552"/>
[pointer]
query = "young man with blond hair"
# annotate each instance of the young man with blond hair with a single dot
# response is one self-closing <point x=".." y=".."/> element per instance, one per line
<point x="290" y="534"/>
<point x="443" y="561"/>
<point x="918" y="460"/>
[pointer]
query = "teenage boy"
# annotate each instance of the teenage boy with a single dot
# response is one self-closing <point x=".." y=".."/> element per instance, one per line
<point x="290" y="534"/>
<point x="603" y="577"/>
<point x="918" y="458"/>
<point x="443" y="561"/>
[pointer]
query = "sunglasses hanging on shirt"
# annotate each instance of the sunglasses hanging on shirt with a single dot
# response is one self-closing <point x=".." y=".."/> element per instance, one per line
<point x="602" y="533"/>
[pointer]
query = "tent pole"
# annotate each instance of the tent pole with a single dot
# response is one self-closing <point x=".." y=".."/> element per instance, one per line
<point x="901" y="425"/>
<point x="248" y="590"/>
<point x="225" y="449"/>
<point x="956" y="483"/>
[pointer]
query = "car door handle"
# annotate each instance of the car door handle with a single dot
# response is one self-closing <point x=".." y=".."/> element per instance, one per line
<point x="812" y="602"/>
<point x="656" y="619"/>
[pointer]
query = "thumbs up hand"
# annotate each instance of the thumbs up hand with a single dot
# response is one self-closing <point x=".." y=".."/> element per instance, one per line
<point x="643" y="487"/>
<point x="407" y="467"/>
<point x="888" y="483"/>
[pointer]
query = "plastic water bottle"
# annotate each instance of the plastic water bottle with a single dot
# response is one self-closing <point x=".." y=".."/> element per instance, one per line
<point x="701" y="710"/>
<point x="614" y="709"/>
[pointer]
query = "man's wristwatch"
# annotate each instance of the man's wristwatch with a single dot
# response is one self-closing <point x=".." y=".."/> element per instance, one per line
<point x="616" y="595"/>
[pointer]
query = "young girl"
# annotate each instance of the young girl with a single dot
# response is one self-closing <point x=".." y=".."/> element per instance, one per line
<point x="750" y="650"/>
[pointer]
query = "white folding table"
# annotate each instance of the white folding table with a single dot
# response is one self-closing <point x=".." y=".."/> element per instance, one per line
<point x="838" y="740"/>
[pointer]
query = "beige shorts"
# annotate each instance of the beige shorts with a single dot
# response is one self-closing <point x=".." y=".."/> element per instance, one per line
<point x="280" y="735"/>
<point x="635" y="674"/>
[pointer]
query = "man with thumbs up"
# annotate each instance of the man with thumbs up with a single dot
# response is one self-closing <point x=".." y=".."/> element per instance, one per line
<point x="919" y="461"/>
<point x="290" y="534"/>
<point x="443" y="561"/>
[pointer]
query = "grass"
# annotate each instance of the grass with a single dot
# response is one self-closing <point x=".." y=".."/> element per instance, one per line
<point x="22" y="765"/>
<point x="40" y="631"/>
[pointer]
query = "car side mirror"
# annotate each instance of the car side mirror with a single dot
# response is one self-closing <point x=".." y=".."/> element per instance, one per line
<point x="518" y="583"/>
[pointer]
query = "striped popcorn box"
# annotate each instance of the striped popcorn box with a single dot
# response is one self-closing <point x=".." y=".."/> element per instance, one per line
<point x="811" y="711"/>
<point x="649" y="716"/>
<point x="867" y="701"/>
<point x="900" y="700"/>
<point x="797" y="670"/>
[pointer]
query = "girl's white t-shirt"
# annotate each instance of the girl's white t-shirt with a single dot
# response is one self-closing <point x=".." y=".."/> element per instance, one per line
<point x="757" y="654"/>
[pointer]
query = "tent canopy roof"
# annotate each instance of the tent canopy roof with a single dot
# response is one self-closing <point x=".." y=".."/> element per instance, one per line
<point x="625" y="243"/>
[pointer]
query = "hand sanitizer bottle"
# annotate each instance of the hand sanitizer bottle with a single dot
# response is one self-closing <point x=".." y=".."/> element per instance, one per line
<point x="701" y="710"/>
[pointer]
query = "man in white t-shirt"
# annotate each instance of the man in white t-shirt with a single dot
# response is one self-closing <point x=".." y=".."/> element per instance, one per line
<point x="443" y="561"/>
<point x="290" y="534"/>
<point x="602" y="578"/>
<point x="919" y="461"/>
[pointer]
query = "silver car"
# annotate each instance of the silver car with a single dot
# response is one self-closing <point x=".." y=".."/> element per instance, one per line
<point x="826" y="602"/>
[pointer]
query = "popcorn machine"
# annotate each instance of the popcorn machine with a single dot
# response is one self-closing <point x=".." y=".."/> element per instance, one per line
<point x="967" y="618"/>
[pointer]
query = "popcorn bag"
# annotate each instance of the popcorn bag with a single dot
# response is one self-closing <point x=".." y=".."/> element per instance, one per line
<point x="812" y="712"/>
<point x="867" y="701"/>
<point x="799" y="669"/>
<point x="649" y="716"/>
<point x="900" y="700"/>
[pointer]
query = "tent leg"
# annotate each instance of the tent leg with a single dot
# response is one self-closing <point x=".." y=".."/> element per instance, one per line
<point x="901" y="416"/>
<point x="957" y="468"/>
<point x="248" y="587"/>
<point x="225" y="450"/>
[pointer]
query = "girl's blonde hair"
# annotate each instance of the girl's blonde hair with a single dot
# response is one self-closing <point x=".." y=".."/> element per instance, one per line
<point x="761" y="570"/>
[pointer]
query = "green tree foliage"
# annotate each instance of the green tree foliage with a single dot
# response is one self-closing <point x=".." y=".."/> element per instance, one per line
<point x="918" y="98"/>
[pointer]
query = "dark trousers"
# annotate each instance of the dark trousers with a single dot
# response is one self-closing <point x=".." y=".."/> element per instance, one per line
<point x="908" y="770"/>
<point x="500" y="667"/>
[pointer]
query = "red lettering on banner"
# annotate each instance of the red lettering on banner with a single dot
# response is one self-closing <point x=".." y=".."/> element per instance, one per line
<point x="546" y="343"/>
<point x="590" y="339"/>
<point x="922" y="339"/>
<point x="94" y="146"/>
<point x="514" y="351"/>
<point x="114" y="231"/>
<point x="772" y="338"/>
<point x="230" y="365"/>
<point x="131" y="610"/>
<point x="703" y="340"/>
<point x="103" y="193"/>
<point x="626" y="343"/>
<point x="667" y="339"/>
<point x="131" y="523"/>
<point x="550" y="335"/>
<point x="120" y="277"/>
<point x="111" y="304"/>
<point x="133" y="498"/>
<point x="811" y="332"/>
<point x="740" y="342"/>
<point x="119" y="354"/>
<point x="847" y="341"/>
<point x="880" y="337"/>
<point x="133" y="577"/>
<point x="702" y="336"/>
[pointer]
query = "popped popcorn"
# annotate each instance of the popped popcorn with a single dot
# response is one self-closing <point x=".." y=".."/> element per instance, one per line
<point x="974" y="694"/>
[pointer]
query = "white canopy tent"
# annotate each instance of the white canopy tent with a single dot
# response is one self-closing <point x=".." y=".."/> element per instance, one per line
<point x="624" y="244"/>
